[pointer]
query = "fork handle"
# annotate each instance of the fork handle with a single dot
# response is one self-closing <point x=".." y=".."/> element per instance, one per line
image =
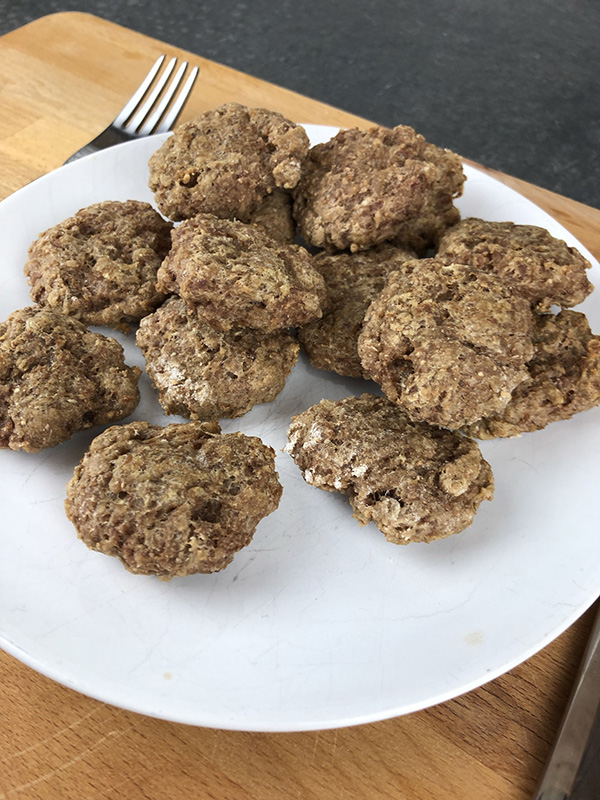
<point x="109" y="137"/>
<point x="580" y="727"/>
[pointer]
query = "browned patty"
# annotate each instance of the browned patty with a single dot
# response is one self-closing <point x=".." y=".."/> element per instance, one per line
<point x="56" y="377"/>
<point x="447" y="343"/>
<point x="364" y="187"/>
<point x="100" y="265"/>
<point x="417" y="483"/>
<point x="274" y="214"/>
<point x="540" y="267"/>
<point x="174" y="500"/>
<point x="235" y="275"/>
<point x="205" y="373"/>
<point x="564" y="378"/>
<point x="226" y="162"/>
<point x="353" y="281"/>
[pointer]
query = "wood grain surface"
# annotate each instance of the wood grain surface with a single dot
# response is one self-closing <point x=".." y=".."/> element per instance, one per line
<point x="62" y="79"/>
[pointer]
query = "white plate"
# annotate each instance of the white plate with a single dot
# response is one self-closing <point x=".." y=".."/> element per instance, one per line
<point x="318" y="623"/>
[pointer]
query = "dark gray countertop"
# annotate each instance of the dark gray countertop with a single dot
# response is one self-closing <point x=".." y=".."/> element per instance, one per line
<point x="513" y="84"/>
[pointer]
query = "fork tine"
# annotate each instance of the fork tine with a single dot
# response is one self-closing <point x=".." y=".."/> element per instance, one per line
<point x="149" y="103"/>
<point x="139" y="93"/>
<point x="175" y="110"/>
<point x="154" y="119"/>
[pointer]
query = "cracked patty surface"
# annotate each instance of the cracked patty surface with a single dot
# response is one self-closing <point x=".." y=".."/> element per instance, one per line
<point x="235" y="275"/>
<point x="100" y="265"/>
<point x="226" y="162"/>
<point x="204" y="373"/>
<point x="416" y="482"/>
<point x="56" y="378"/>
<point x="364" y="187"/>
<point x="274" y="215"/>
<point x="174" y="500"/>
<point x="446" y="342"/>
<point x="563" y="378"/>
<point x="545" y="270"/>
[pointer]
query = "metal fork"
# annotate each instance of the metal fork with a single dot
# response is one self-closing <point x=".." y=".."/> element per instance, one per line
<point x="150" y="109"/>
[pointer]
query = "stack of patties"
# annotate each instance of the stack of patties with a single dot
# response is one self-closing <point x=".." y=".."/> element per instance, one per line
<point x="222" y="342"/>
<point x="372" y="199"/>
<point x="465" y="325"/>
<point x="563" y="374"/>
<point x="98" y="267"/>
<point x="454" y="320"/>
<point x="469" y="340"/>
<point x="375" y="200"/>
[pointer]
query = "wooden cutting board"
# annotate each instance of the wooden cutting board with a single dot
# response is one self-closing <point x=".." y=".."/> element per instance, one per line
<point x="62" y="78"/>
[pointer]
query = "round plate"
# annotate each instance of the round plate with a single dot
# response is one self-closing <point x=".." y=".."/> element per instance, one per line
<point x="319" y="622"/>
